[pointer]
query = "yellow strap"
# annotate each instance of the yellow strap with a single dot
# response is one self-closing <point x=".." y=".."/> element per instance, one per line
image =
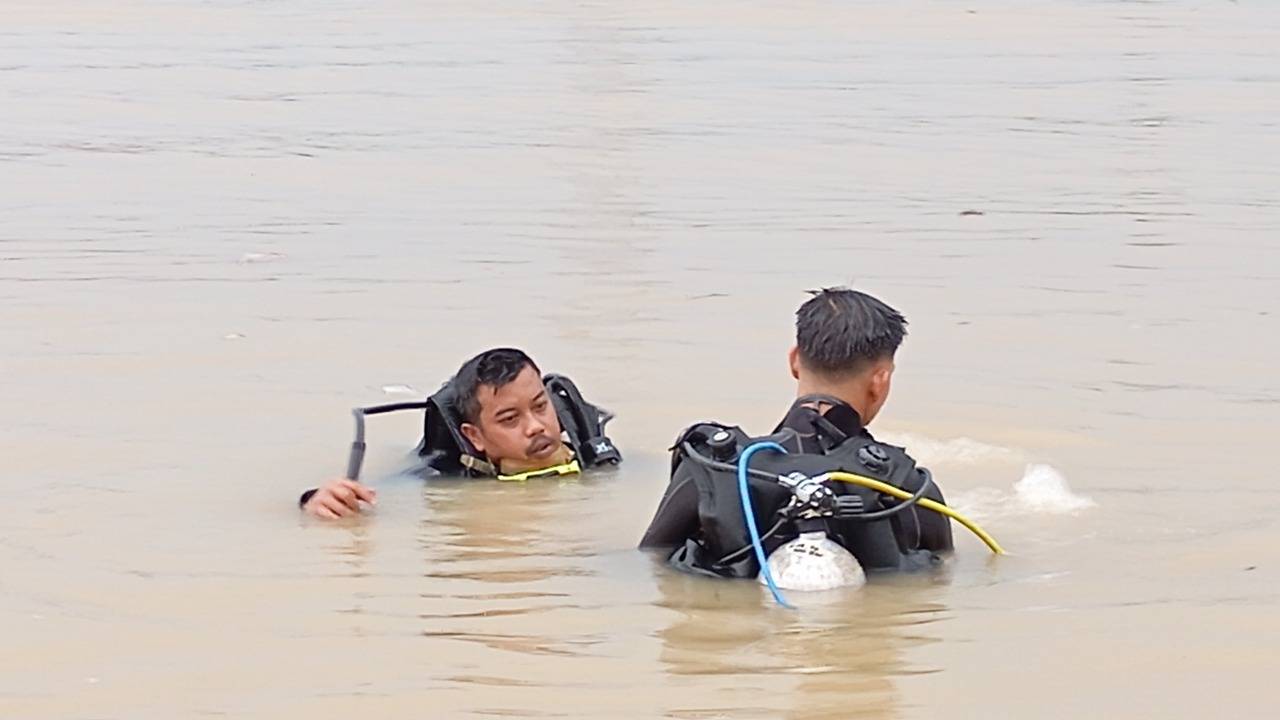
<point x="569" y="468"/>
<point x="901" y="494"/>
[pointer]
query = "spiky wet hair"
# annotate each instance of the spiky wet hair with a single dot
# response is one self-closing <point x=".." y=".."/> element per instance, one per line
<point x="840" y="331"/>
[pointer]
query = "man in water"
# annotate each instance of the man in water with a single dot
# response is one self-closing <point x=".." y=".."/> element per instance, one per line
<point x="508" y="418"/>
<point x="843" y="363"/>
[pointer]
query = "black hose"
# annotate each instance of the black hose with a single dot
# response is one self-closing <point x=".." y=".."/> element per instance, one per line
<point x="878" y="515"/>
<point x="392" y="407"/>
<point x="356" y="458"/>
<point x="704" y="460"/>
<point x="748" y="547"/>
<point x="915" y="498"/>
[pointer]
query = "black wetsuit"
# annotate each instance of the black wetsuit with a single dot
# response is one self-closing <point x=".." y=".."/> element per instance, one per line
<point x="677" y="518"/>
<point x="444" y="450"/>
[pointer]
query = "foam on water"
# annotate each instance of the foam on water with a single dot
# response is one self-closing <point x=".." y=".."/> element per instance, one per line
<point x="1042" y="490"/>
<point x="954" y="451"/>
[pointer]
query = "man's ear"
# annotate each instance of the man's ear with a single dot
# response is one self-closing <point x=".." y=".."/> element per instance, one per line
<point x="473" y="434"/>
<point x="881" y="381"/>
<point x="793" y="359"/>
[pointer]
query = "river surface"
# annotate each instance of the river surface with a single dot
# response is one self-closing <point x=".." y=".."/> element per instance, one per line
<point x="223" y="224"/>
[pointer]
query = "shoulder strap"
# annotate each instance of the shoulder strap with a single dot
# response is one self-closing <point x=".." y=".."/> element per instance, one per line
<point x="819" y="432"/>
<point x="443" y="445"/>
<point x="583" y="422"/>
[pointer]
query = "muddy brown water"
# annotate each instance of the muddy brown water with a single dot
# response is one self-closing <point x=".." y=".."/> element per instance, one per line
<point x="225" y="223"/>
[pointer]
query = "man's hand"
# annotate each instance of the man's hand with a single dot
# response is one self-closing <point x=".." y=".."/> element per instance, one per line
<point x="339" y="499"/>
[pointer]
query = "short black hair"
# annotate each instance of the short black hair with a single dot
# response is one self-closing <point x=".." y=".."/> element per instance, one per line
<point x="496" y="368"/>
<point x="840" y="331"/>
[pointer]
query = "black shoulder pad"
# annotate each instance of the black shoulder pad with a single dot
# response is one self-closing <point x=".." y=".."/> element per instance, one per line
<point x="443" y="443"/>
<point x="583" y="422"/>
<point x="867" y="456"/>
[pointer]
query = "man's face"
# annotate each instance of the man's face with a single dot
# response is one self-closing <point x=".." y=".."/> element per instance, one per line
<point x="517" y="429"/>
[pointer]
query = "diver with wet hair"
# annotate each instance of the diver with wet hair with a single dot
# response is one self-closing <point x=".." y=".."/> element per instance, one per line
<point x="499" y="416"/>
<point x="843" y="363"/>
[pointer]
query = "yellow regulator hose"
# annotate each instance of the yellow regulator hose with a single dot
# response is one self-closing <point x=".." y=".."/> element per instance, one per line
<point x="901" y="494"/>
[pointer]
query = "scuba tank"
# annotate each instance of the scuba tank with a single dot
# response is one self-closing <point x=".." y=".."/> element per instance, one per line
<point x="813" y="561"/>
<point x="832" y="517"/>
<point x="701" y="521"/>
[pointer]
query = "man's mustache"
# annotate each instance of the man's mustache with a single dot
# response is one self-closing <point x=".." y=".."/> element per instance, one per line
<point x="540" y="443"/>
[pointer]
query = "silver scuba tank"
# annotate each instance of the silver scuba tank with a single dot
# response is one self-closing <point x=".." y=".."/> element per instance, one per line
<point x="813" y="561"/>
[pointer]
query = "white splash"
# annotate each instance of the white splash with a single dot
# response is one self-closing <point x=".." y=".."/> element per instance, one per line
<point x="1043" y="489"/>
<point x="955" y="451"/>
<point x="400" y="390"/>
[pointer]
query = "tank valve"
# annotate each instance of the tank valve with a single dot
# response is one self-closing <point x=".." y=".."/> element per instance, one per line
<point x="723" y="447"/>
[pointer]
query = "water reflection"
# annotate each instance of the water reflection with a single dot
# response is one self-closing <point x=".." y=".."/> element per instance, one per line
<point x="835" y="657"/>
<point x="496" y="555"/>
<point x="470" y="524"/>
